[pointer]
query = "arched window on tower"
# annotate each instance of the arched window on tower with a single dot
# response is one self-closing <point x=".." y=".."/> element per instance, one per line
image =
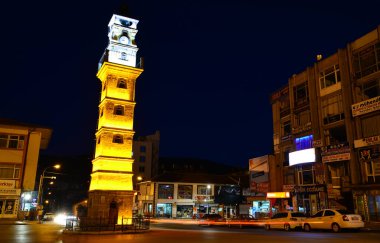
<point x="117" y="139"/>
<point x="122" y="83"/>
<point x="118" y="110"/>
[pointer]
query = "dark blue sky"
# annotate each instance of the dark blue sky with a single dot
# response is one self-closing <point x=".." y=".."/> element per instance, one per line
<point x="210" y="67"/>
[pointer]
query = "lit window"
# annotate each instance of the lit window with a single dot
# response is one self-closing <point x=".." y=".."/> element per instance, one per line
<point x="304" y="142"/>
<point x="329" y="76"/>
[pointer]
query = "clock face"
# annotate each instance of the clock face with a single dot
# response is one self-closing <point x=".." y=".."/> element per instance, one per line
<point x="124" y="40"/>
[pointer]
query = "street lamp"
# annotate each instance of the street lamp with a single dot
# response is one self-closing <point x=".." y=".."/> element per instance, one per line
<point x="42" y="177"/>
<point x="208" y="199"/>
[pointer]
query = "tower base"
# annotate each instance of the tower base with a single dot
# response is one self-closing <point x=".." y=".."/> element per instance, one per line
<point x="115" y="206"/>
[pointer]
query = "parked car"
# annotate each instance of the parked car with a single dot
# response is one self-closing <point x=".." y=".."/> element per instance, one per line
<point x="285" y="220"/>
<point x="48" y="217"/>
<point x="242" y="220"/>
<point x="211" y="219"/>
<point x="334" y="220"/>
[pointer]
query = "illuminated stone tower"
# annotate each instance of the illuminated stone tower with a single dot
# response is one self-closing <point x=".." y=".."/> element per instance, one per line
<point x="111" y="189"/>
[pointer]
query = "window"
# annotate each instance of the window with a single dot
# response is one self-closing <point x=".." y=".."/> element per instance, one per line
<point x="306" y="175"/>
<point x="141" y="169"/>
<point x="99" y="140"/>
<point x="332" y="109"/>
<point x="9" y="171"/>
<point x="336" y="135"/>
<point x="367" y="61"/>
<point x="301" y="95"/>
<point x="370" y="126"/>
<point x="329" y="213"/>
<point x="370" y="89"/>
<point x="142" y="158"/>
<point x="286" y="157"/>
<point x="302" y="119"/>
<point x="319" y="214"/>
<point x="287" y="129"/>
<point x="203" y="190"/>
<point x="101" y="111"/>
<point x="185" y="192"/>
<point x="117" y="139"/>
<point x="118" y="110"/>
<point x="12" y="141"/>
<point x="122" y="83"/>
<point x="142" y="148"/>
<point x="329" y="76"/>
<point x="165" y="191"/>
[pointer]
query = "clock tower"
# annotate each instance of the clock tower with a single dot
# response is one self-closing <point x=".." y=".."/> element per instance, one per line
<point x="111" y="189"/>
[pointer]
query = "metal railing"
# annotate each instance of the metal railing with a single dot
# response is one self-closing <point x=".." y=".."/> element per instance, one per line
<point x="98" y="224"/>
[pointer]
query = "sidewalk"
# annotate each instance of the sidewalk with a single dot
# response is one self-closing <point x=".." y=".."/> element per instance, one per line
<point x="16" y="222"/>
<point x="372" y="226"/>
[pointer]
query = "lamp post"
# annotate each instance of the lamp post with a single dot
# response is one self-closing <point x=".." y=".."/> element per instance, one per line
<point x="208" y="199"/>
<point x="42" y="177"/>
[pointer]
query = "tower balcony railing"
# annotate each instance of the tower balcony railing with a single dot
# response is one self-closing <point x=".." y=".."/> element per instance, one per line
<point x="104" y="58"/>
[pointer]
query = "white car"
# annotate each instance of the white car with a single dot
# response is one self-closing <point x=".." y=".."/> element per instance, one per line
<point x="334" y="220"/>
<point x="285" y="220"/>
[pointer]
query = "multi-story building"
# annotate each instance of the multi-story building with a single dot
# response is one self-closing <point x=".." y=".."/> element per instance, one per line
<point x="20" y="144"/>
<point x="327" y="134"/>
<point x="146" y="155"/>
<point x="188" y="195"/>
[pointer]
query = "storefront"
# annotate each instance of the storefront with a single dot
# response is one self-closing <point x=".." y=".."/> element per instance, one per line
<point x="184" y="211"/>
<point x="9" y="202"/>
<point x="164" y="210"/>
<point x="367" y="196"/>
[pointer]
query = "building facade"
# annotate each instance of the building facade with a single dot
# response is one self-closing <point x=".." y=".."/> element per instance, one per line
<point x="326" y="131"/>
<point x="187" y="195"/>
<point x="111" y="189"/>
<point x="146" y="157"/>
<point x="20" y="144"/>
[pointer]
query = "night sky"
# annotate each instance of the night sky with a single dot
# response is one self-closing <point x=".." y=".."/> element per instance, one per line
<point x="210" y="67"/>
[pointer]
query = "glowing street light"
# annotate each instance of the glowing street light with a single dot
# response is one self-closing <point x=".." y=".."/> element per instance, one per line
<point x="42" y="177"/>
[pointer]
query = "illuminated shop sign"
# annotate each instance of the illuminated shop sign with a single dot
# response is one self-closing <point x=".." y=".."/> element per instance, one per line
<point x="302" y="156"/>
<point x="278" y="194"/>
<point x="367" y="141"/>
<point x="366" y="106"/>
<point x="7" y="184"/>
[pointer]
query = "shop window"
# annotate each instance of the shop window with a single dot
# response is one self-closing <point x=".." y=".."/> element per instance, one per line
<point x="370" y="126"/>
<point x="165" y="191"/>
<point x="12" y="141"/>
<point x="366" y="61"/>
<point x="164" y="210"/>
<point x="117" y="139"/>
<point x="329" y="76"/>
<point x="185" y="192"/>
<point x="122" y="83"/>
<point x="184" y="211"/>
<point x="118" y="110"/>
